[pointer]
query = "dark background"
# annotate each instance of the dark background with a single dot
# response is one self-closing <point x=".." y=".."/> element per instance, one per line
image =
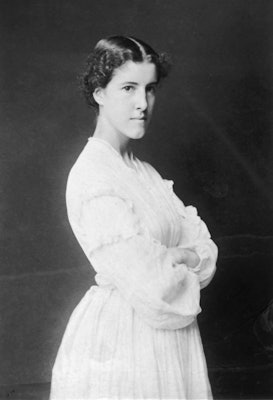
<point x="211" y="133"/>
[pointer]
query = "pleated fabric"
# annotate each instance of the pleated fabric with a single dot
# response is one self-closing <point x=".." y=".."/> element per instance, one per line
<point x="135" y="334"/>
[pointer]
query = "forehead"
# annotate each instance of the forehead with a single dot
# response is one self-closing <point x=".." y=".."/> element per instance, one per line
<point x="140" y="72"/>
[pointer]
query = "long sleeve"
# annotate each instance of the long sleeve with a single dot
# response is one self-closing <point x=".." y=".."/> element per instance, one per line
<point x="196" y="236"/>
<point x="124" y="255"/>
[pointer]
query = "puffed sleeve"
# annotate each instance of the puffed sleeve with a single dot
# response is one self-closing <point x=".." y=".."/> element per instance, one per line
<point x="195" y="235"/>
<point x="122" y="252"/>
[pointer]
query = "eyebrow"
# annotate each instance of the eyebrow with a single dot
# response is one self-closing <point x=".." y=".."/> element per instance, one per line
<point x="135" y="83"/>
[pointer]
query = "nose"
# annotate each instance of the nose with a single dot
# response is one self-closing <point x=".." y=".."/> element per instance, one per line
<point x="141" y="101"/>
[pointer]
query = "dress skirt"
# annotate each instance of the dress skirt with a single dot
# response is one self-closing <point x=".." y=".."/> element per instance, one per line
<point x="108" y="352"/>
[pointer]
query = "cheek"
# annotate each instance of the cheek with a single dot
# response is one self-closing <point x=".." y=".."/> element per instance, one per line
<point x="118" y="112"/>
<point x="151" y="99"/>
<point x="121" y="108"/>
<point x="113" y="108"/>
<point x="151" y="103"/>
<point x="118" y="102"/>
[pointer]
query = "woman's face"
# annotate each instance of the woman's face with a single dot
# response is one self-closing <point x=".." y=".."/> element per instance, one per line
<point x="126" y="104"/>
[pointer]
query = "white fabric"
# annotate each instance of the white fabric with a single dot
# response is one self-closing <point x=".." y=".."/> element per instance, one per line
<point x="135" y="335"/>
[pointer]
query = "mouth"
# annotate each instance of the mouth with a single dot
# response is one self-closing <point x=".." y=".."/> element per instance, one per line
<point x="140" y="119"/>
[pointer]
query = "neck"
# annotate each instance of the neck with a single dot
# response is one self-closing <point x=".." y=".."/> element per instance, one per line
<point x="116" y="139"/>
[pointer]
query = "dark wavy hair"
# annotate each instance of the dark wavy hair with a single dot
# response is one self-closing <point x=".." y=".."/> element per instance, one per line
<point x="111" y="53"/>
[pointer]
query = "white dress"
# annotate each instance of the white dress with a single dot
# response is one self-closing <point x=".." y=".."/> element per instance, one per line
<point x="135" y="334"/>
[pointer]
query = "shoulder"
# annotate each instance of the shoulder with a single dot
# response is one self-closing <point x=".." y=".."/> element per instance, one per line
<point x="95" y="167"/>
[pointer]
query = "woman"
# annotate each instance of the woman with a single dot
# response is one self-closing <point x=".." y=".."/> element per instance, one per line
<point x="135" y="334"/>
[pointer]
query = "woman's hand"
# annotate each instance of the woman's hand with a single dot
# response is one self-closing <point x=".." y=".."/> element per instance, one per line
<point x="185" y="256"/>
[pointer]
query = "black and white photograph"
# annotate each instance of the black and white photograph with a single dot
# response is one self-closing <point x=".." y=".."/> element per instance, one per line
<point x="136" y="208"/>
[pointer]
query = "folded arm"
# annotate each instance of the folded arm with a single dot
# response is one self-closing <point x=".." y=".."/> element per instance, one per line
<point x="155" y="280"/>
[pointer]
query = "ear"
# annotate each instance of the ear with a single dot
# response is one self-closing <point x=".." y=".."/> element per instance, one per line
<point x="98" y="96"/>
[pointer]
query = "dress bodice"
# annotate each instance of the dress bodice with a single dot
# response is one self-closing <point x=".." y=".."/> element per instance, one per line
<point x="126" y="218"/>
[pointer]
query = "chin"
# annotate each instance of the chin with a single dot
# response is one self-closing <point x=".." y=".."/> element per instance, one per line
<point x="137" y="135"/>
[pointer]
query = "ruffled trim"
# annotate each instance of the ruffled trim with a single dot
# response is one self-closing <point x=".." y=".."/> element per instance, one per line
<point x="179" y="206"/>
<point x="191" y="213"/>
<point x="110" y="218"/>
<point x="194" y="229"/>
<point x="169" y="183"/>
<point x="207" y="266"/>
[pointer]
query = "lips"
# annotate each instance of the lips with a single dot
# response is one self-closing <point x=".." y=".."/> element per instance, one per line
<point x="139" y="118"/>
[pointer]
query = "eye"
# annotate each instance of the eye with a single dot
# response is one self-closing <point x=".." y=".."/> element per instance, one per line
<point x="128" y="88"/>
<point x="151" y="89"/>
